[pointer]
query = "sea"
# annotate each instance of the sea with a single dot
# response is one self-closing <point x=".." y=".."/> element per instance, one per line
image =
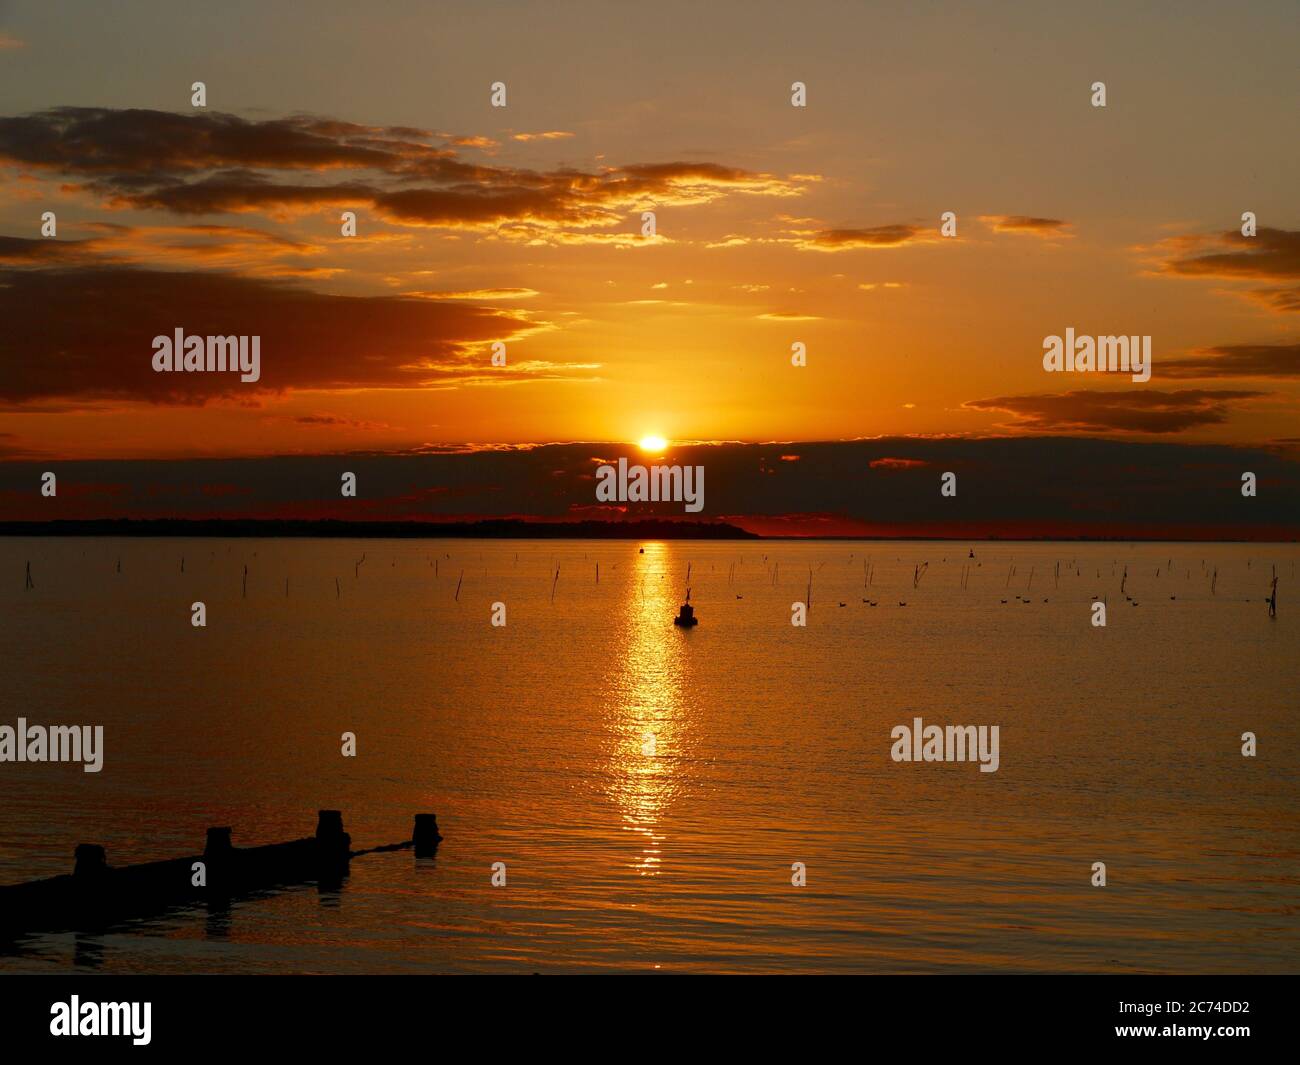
<point x="621" y="794"/>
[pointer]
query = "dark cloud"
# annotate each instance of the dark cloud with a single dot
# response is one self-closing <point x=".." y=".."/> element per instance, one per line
<point x="571" y="199"/>
<point x="102" y="140"/>
<point x="889" y="486"/>
<point x="20" y="251"/>
<point x="890" y="236"/>
<point x="87" y="333"/>
<point x="235" y="191"/>
<point x="253" y="251"/>
<point x="1236" y="360"/>
<point x="1270" y="255"/>
<point x="1145" y="410"/>
<point x="209" y="162"/>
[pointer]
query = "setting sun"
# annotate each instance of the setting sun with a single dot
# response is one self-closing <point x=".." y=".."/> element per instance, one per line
<point x="653" y="443"/>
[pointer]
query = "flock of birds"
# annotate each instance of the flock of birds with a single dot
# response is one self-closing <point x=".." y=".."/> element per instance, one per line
<point x="1208" y="572"/>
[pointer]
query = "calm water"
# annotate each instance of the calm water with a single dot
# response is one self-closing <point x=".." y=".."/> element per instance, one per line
<point x="771" y="746"/>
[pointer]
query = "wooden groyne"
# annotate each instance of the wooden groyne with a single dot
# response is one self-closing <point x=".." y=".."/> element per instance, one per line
<point x="96" y="894"/>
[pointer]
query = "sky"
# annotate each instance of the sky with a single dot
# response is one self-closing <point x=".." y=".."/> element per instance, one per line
<point x="775" y="225"/>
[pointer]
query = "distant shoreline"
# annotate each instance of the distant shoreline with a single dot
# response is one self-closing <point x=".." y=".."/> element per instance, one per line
<point x="510" y="529"/>
<point x="326" y="529"/>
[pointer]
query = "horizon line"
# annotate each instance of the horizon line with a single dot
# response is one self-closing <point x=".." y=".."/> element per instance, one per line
<point x="513" y="529"/>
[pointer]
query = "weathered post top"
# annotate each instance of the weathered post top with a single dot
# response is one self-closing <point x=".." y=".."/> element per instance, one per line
<point x="329" y="824"/>
<point x="426" y="836"/>
<point x="90" y="859"/>
<point x="218" y="843"/>
<point x="333" y="845"/>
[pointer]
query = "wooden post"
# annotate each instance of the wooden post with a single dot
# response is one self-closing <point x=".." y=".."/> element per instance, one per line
<point x="218" y="847"/>
<point x="333" y="844"/>
<point x="219" y="864"/>
<point x="426" y="836"/>
<point x="91" y="860"/>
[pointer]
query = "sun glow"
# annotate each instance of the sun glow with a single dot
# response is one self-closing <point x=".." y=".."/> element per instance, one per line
<point x="653" y="444"/>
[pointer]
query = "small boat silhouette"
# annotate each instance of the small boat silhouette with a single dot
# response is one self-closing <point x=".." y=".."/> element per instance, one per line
<point x="686" y="616"/>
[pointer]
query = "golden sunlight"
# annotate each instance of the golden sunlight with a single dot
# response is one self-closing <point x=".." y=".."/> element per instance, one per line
<point x="653" y="444"/>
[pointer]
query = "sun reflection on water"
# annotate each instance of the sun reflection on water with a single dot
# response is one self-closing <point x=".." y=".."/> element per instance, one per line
<point x="647" y="713"/>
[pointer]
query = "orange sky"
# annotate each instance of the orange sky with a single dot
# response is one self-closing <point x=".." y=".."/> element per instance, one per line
<point x="775" y="225"/>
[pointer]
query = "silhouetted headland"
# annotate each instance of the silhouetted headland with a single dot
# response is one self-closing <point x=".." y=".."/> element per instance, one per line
<point x="499" y="528"/>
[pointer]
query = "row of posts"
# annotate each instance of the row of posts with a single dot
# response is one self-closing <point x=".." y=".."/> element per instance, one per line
<point x="333" y="845"/>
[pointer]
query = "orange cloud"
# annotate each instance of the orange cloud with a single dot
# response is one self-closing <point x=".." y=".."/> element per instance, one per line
<point x="550" y="135"/>
<point x="484" y="295"/>
<point x="890" y="236"/>
<point x="1018" y="223"/>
